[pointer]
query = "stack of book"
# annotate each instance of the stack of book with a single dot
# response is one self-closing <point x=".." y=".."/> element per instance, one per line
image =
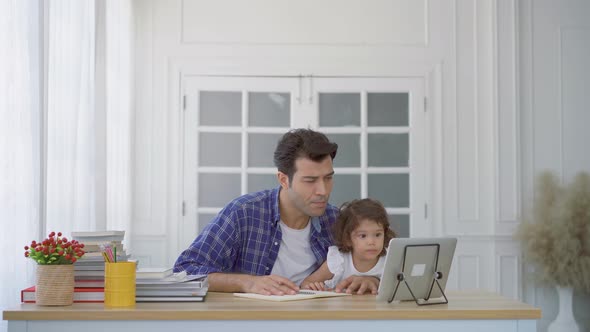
<point x="81" y="295"/>
<point x="160" y="285"/>
<point x="89" y="269"/>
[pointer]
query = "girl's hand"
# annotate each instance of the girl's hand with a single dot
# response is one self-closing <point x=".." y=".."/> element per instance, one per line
<point x="358" y="285"/>
<point x="316" y="286"/>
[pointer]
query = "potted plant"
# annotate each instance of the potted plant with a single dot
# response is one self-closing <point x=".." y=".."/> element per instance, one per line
<point x="55" y="257"/>
<point x="556" y="241"/>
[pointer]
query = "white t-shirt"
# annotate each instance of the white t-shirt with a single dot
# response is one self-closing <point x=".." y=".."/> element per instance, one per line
<point x="341" y="265"/>
<point x="295" y="260"/>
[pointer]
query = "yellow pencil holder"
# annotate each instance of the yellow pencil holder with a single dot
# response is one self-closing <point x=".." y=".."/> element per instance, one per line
<point x="119" y="284"/>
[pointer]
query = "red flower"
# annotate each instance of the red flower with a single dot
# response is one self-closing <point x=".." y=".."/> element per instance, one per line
<point x="55" y="250"/>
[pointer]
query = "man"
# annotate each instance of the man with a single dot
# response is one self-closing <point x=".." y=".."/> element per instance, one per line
<point x="267" y="242"/>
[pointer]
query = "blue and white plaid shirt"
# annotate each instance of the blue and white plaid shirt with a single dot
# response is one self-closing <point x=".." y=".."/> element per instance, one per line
<point x="245" y="237"/>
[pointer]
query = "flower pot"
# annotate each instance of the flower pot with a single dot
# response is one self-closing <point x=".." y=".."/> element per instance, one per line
<point x="565" y="320"/>
<point x="55" y="285"/>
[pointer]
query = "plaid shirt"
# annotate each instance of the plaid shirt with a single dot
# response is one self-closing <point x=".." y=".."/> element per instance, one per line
<point x="245" y="237"/>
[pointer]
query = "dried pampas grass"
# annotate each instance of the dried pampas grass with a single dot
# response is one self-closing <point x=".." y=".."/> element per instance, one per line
<point x="557" y="239"/>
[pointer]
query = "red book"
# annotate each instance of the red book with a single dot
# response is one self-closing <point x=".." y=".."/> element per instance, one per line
<point x="81" y="295"/>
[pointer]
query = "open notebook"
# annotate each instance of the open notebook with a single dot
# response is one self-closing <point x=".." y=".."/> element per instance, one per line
<point x="302" y="295"/>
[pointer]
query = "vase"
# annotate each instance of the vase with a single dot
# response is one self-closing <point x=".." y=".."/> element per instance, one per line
<point x="55" y="285"/>
<point x="565" y="320"/>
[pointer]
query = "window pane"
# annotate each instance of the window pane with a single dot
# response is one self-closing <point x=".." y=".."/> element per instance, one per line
<point x="393" y="190"/>
<point x="400" y="223"/>
<point x="220" y="108"/>
<point x="216" y="190"/>
<point x="388" y="150"/>
<point x="387" y="109"/>
<point x="340" y="109"/>
<point x="204" y="219"/>
<point x="349" y="149"/>
<point x="220" y="149"/>
<point x="346" y="187"/>
<point x="267" y="109"/>
<point x="261" y="148"/>
<point x="257" y="182"/>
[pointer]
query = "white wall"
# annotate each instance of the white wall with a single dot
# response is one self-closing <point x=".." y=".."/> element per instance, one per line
<point x="483" y="149"/>
<point x="554" y="97"/>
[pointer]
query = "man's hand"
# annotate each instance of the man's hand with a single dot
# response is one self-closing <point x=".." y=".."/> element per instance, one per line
<point x="358" y="285"/>
<point x="270" y="285"/>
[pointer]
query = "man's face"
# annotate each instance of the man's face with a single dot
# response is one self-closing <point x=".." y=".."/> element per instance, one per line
<point x="311" y="186"/>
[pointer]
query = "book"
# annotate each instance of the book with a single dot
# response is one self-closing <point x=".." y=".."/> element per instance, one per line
<point x="89" y="267"/>
<point x="302" y="295"/>
<point x="175" y="279"/>
<point x="87" y="278"/>
<point x="171" y="292"/>
<point x="89" y="283"/>
<point x="169" y="298"/>
<point x="99" y="236"/>
<point x="96" y="256"/>
<point x="81" y="295"/>
<point x="89" y="273"/>
<point x="153" y="272"/>
<point x="180" y="286"/>
<point x="96" y="247"/>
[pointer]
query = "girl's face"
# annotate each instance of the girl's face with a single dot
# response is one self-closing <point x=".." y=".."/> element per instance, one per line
<point x="367" y="240"/>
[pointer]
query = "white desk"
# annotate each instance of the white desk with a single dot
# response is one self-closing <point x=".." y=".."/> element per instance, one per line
<point x="466" y="311"/>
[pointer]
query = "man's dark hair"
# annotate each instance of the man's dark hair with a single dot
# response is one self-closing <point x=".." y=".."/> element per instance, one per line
<point x="302" y="143"/>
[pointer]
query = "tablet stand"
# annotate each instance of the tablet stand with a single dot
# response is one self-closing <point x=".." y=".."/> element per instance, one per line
<point x="437" y="275"/>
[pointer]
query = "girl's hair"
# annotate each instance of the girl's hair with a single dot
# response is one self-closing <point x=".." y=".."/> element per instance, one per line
<point x="351" y="215"/>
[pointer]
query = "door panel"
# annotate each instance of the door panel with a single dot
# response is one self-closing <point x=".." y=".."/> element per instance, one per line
<point x="232" y="125"/>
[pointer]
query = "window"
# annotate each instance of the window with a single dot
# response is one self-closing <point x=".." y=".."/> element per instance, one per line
<point x="232" y="125"/>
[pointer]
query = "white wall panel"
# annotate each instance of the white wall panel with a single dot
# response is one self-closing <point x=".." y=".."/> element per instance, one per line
<point x="470" y="154"/>
<point x="305" y="22"/>
<point x="468" y="267"/>
<point x="547" y="118"/>
<point x="507" y="276"/>
<point x="466" y="122"/>
<point x="150" y="250"/>
<point x="508" y="267"/>
<point x="507" y="141"/>
<point x="485" y="115"/>
<point x="553" y="70"/>
<point x="471" y="172"/>
<point x="575" y="97"/>
<point x="143" y="121"/>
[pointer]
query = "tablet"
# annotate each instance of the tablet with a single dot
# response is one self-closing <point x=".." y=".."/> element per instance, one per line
<point x="411" y="267"/>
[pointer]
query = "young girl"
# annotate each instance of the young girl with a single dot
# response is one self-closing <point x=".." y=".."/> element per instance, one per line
<point x="361" y="235"/>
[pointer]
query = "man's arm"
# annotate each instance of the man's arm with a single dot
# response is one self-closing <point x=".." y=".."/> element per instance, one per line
<point x="214" y="250"/>
<point x="265" y="285"/>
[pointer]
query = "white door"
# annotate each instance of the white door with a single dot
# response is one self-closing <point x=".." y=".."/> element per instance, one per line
<point x="232" y="125"/>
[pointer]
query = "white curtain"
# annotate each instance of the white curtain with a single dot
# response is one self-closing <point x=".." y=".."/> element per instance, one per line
<point x="88" y="134"/>
<point x="19" y="145"/>
<point x="89" y="115"/>
<point x="119" y="115"/>
<point x="72" y="166"/>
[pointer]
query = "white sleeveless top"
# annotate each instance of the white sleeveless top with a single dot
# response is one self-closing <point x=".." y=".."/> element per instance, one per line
<point x="341" y="265"/>
<point x="295" y="260"/>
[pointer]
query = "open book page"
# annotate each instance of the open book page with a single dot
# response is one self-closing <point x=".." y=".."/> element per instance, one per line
<point x="302" y="295"/>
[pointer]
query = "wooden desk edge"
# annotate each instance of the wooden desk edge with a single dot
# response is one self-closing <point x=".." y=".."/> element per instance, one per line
<point x="219" y="306"/>
<point x="271" y="315"/>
